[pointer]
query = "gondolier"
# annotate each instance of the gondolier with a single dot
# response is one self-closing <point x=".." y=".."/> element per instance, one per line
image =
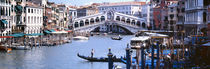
<point x="92" y="52"/>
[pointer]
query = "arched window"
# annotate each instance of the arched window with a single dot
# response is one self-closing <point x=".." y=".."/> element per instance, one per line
<point x="128" y="20"/>
<point x="86" y="22"/>
<point x="138" y="23"/>
<point x="81" y="23"/>
<point x="97" y="19"/>
<point x="102" y="18"/>
<point x="123" y="19"/>
<point x="76" y="25"/>
<point x="143" y="25"/>
<point x="92" y="21"/>
<point x="133" y="22"/>
<point x="118" y="18"/>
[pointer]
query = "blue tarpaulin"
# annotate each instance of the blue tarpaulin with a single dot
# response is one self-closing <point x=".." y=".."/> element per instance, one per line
<point x="52" y="30"/>
<point x="4" y="21"/>
<point x="46" y="31"/>
<point x="17" y="35"/>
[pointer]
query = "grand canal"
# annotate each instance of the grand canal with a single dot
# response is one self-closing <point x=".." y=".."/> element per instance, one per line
<point x="65" y="56"/>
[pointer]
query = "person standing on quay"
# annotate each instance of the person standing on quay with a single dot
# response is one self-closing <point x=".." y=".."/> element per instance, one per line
<point x="92" y="52"/>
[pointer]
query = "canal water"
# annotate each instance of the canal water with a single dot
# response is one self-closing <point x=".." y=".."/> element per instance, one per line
<point x="65" y="56"/>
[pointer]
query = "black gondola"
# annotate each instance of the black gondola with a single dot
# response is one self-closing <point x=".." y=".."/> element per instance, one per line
<point x="116" y="38"/>
<point x="100" y="59"/>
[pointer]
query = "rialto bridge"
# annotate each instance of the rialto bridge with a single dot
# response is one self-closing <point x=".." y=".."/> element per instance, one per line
<point x="109" y="21"/>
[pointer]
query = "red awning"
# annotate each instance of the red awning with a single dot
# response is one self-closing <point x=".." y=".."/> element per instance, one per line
<point x="69" y="31"/>
<point x="6" y="36"/>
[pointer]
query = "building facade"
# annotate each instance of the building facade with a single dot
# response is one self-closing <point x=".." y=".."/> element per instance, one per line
<point x="146" y="14"/>
<point x="129" y="8"/>
<point x="5" y="18"/>
<point x="34" y="19"/>
<point x="63" y="13"/>
<point x="72" y="16"/>
<point x="172" y="16"/>
<point x="87" y="10"/>
<point x="195" y="17"/>
<point x="51" y="16"/>
<point x="181" y="15"/>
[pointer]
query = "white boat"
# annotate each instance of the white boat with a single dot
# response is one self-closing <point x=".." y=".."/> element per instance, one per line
<point x="80" y="38"/>
<point x="22" y="47"/>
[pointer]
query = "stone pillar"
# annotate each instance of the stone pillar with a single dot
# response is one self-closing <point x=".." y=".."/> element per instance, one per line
<point x="110" y="61"/>
<point x="128" y="57"/>
<point x="142" y="58"/>
<point x="152" y="56"/>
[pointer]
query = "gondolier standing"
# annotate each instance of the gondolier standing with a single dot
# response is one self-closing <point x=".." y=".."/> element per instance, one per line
<point x="92" y="52"/>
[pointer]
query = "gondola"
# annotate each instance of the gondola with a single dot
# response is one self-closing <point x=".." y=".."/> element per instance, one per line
<point x="98" y="59"/>
<point x="116" y="38"/>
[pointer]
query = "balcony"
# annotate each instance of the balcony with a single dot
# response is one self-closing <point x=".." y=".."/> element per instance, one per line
<point x="5" y="17"/>
<point x="195" y="8"/>
<point x="17" y="29"/>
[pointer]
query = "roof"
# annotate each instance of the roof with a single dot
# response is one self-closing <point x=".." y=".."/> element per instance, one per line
<point x="123" y="3"/>
<point x="30" y="4"/>
<point x="156" y="35"/>
<point x="207" y="44"/>
<point x="140" y="38"/>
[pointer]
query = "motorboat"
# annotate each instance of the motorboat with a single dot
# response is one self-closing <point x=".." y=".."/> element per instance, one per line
<point x="21" y="47"/>
<point x="80" y="38"/>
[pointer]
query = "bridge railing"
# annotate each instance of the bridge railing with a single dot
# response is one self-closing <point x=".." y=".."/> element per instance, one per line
<point x="127" y="24"/>
<point x="90" y="25"/>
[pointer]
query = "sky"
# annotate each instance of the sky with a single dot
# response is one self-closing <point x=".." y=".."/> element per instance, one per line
<point x="85" y="2"/>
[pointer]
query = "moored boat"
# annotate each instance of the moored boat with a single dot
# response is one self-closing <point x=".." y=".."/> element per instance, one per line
<point x="21" y="47"/>
<point x="80" y="38"/>
<point x="4" y="48"/>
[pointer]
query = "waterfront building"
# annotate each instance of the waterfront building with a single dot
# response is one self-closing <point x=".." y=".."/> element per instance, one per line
<point x="172" y="16"/>
<point x="180" y="15"/>
<point x="5" y="18"/>
<point x="33" y="18"/>
<point x="195" y="17"/>
<point x="72" y="16"/>
<point x="87" y="10"/>
<point x="51" y="16"/>
<point x="63" y="13"/>
<point x="146" y="14"/>
<point x="130" y="8"/>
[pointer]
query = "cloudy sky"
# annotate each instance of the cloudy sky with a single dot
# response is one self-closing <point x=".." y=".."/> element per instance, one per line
<point x="85" y="2"/>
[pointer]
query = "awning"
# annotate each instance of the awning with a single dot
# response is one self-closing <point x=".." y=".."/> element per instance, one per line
<point x="69" y="31"/>
<point x="17" y="35"/>
<point x="59" y="32"/>
<point x="52" y="30"/>
<point x="34" y="34"/>
<point x="66" y="29"/>
<point x="46" y="31"/>
<point x="6" y="36"/>
<point x="4" y="21"/>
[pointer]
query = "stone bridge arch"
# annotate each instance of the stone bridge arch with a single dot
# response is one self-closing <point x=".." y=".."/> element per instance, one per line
<point x="127" y="22"/>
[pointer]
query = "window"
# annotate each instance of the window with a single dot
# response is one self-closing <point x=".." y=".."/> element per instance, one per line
<point x="171" y="9"/>
<point x="32" y="11"/>
<point x="28" y="10"/>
